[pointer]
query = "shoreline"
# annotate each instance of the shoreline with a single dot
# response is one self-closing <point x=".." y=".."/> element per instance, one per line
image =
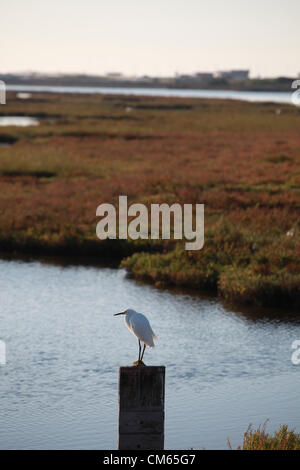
<point x="262" y="96"/>
<point x="69" y="256"/>
<point x="251" y="312"/>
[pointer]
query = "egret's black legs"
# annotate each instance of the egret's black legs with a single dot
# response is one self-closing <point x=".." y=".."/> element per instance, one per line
<point x="143" y="352"/>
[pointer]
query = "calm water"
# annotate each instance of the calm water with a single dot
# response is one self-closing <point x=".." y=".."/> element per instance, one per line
<point x="22" y="121"/>
<point x="263" y="96"/>
<point x="59" y="388"/>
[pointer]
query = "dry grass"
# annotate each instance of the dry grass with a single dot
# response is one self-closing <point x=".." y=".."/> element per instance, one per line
<point x="259" y="439"/>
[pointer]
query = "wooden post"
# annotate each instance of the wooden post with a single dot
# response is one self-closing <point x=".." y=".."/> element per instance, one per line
<point x="141" y="407"/>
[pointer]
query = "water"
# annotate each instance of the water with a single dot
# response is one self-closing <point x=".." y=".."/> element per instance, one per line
<point x="59" y="388"/>
<point x="24" y="96"/>
<point x="5" y="144"/>
<point x="259" y="96"/>
<point x="22" y="121"/>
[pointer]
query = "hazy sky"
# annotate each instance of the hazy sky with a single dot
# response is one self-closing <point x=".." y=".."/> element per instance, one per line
<point x="155" y="37"/>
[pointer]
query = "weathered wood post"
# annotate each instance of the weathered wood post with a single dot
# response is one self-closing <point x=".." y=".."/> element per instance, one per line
<point x="141" y="407"/>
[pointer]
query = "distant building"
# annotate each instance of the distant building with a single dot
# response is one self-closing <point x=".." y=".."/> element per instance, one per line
<point x="204" y="75"/>
<point x="233" y="74"/>
<point x="114" y="75"/>
<point x="185" y="77"/>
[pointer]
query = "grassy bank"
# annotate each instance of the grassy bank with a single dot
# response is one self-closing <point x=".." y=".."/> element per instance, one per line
<point x="240" y="159"/>
<point x="259" y="439"/>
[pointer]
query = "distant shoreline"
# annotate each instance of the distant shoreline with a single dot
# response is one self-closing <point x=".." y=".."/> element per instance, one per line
<point x="281" y="97"/>
<point x="186" y="82"/>
<point x="229" y="87"/>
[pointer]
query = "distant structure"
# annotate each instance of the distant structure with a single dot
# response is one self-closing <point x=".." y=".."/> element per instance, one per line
<point x="205" y="76"/>
<point x="208" y="77"/>
<point x="233" y="74"/>
<point x="223" y="79"/>
<point x="185" y="76"/>
<point x="114" y="76"/>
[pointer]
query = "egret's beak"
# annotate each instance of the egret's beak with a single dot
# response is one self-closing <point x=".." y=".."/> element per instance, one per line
<point x="122" y="313"/>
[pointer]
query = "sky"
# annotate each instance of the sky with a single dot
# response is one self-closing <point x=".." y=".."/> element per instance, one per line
<point x="152" y="37"/>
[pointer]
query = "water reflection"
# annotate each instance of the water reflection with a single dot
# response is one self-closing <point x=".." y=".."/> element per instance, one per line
<point x="59" y="386"/>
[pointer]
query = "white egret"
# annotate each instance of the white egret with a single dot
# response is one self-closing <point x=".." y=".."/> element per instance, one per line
<point x="139" y="325"/>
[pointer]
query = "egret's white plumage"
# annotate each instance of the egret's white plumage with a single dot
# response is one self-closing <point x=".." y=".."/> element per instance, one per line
<point x="139" y="325"/>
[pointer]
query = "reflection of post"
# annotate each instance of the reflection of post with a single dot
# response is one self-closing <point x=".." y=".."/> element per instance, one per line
<point x="2" y="92"/>
<point x="141" y="407"/>
<point x="2" y="352"/>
